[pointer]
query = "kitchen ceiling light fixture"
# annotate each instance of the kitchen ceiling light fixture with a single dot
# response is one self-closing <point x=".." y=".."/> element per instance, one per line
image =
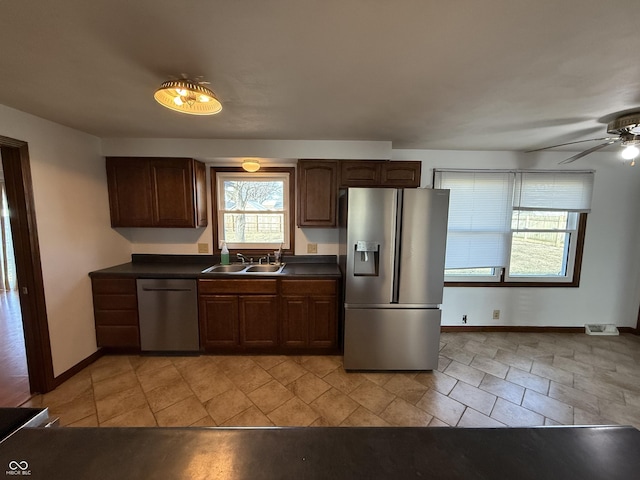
<point x="251" y="165"/>
<point x="188" y="96"/>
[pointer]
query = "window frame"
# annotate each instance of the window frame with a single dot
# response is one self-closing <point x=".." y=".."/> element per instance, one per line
<point x="290" y="205"/>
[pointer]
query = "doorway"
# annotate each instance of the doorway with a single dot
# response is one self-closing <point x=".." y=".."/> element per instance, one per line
<point x="14" y="375"/>
<point x="27" y="301"/>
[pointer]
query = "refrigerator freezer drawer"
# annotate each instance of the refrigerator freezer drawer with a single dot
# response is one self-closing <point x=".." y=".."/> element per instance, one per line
<point x="391" y="339"/>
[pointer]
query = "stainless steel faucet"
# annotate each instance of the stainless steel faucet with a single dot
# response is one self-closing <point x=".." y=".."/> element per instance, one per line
<point x="264" y="258"/>
<point x="242" y="258"/>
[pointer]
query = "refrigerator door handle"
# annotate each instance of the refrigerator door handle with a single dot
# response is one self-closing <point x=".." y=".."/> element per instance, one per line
<point x="396" y="242"/>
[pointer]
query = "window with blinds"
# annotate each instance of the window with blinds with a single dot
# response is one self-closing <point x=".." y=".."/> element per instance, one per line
<point x="515" y="226"/>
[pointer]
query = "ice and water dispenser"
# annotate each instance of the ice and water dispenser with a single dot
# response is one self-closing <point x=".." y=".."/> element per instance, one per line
<point x="366" y="259"/>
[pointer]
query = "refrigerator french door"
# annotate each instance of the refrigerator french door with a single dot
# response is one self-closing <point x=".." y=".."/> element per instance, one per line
<point x="395" y="250"/>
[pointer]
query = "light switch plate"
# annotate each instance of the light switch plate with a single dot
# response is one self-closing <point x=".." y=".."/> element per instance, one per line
<point x="312" y="248"/>
<point x="203" y="248"/>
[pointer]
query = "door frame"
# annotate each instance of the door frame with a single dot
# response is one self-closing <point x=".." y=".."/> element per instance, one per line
<point x="19" y="187"/>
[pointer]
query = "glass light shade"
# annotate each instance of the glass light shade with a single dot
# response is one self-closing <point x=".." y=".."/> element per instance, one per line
<point x="187" y="97"/>
<point x="630" y="152"/>
<point x="251" y="165"/>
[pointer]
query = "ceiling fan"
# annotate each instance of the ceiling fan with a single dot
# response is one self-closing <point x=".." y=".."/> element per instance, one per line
<point x="625" y="131"/>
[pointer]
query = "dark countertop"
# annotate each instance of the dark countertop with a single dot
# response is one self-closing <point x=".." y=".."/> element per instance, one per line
<point x="191" y="267"/>
<point x="584" y="453"/>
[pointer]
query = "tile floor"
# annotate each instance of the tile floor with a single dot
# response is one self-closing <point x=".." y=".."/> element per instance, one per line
<point x="483" y="380"/>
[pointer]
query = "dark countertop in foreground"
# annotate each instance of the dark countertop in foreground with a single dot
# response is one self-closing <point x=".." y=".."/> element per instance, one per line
<point x="319" y="453"/>
<point x="192" y="267"/>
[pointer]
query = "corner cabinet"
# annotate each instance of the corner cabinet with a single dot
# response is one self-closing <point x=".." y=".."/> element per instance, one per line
<point x="317" y="193"/>
<point x="157" y="192"/>
<point x="115" y="308"/>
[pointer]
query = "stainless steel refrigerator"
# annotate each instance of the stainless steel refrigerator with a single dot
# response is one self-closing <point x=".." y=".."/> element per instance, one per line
<point x="392" y="249"/>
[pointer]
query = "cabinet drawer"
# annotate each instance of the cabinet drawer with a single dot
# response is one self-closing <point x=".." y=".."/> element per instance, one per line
<point x="115" y="302"/>
<point x="238" y="286"/>
<point x="114" y="285"/>
<point x="116" y="317"/>
<point x="309" y="287"/>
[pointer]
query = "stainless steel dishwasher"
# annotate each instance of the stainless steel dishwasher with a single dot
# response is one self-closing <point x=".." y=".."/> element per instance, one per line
<point x="168" y="314"/>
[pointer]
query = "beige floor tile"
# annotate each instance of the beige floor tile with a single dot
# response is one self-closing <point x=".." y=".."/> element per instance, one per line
<point x="233" y="364"/>
<point x="552" y="373"/>
<point x="443" y="362"/>
<point x="321" y="365"/>
<point x="321" y="422"/>
<point x="621" y="381"/>
<point x="227" y="405"/>
<point x="600" y="389"/>
<point x="334" y="406"/>
<point x="109" y="366"/>
<point x="406" y="388"/>
<point x="480" y="348"/>
<point x="551" y="423"/>
<point x="250" y="379"/>
<point x="286" y="372"/>
<point x="119" y="403"/>
<point x="620" y="414"/>
<point x="361" y="417"/>
<point x="595" y="360"/>
<point x="269" y="361"/>
<point x="501" y="343"/>
<point x="251" y="417"/>
<point x="142" y="364"/>
<point x="467" y="374"/>
<point x="379" y="378"/>
<point x="207" y="387"/>
<point x="441" y="406"/>
<point x="161" y="376"/>
<point x="346" y="382"/>
<point x="74" y="410"/>
<point x="90" y="421"/>
<point x="572" y="366"/>
<point x="402" y="413"/>
<point x="181" y="414"/>
<point x="473" y="419"/>
<point x="309" y="387"/>
<point x="576" y="398"/>
<point x="270" y="396"/>
<point x="294" y="413"/>
<point x="515" y="415"/>
<point x="549" y="407"/>
<point x="204" y="422"/>
<point x="614" y="355"/>
<point x="473" y="397"/>
<point x="138" y="417"/>
<point x="528" y="380"/>
<point x="513" y="360"/>
<point x="117" y="383"/>
<point x="436" y="380"/>
<point x="166" y="395"/>
<point x="487" y="365"/>
<point x="582" y="417"/>
<point x="457" y="354"/>
<point x="436" y="422"/>
<point x="372" y="397"/>
<point x="501" y="388"/>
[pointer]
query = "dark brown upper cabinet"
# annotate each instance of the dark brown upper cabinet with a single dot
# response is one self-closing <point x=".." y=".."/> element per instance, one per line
<point x="157" y="192"/>
<point x="379" y="173"/>
<point x="317" y="193"/>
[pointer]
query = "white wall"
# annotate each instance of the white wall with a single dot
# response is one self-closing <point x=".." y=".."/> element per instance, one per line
<point x="72" y="215"/>
<point x="609" y="289"/>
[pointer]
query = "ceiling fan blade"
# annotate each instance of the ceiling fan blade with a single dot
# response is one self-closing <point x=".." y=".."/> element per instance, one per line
<point x="571" y="143"/>
<point x="588" y="151"/>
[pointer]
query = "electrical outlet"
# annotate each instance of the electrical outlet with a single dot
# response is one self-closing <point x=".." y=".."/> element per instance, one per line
<point x="464" y="319"/>
<point x="496" y="314"/>
<point x="203" y="248"/>
<point x="312" y="248"/>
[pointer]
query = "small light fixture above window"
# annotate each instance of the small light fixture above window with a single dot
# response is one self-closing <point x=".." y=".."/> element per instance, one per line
<point x="251" y="164"/>
<point x="188" y="96"/>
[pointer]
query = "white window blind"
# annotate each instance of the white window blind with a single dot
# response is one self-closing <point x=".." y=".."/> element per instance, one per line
<point x="483" y="204"/>
<point x="479" y="217"/>
<point x="559" y="191"/>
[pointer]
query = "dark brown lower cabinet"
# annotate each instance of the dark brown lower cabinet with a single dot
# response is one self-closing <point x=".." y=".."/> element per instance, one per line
<point x="258" y="321"/>
<point x="115" y="308"/>
<point x="309" y="314"/>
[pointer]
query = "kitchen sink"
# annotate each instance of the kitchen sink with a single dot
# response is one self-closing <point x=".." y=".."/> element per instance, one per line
<point x="244" y="268"/>
<point x="265" y="268"/>
<point x="224" y="269"/>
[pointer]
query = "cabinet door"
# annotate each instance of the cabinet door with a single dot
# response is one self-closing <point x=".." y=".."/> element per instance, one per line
<point x="322" y="321"/>
<point x="295" y="325"/>
<point x="258" y="320"/>
<point x="218" y="316"/>
<point x="115" y="308"/>
<point x="360" y="173"/>
<point x="317" y="193"/>
<point x="130" y="195"/>
<point x="401" y="174"/>
<point x="173" y="192"/>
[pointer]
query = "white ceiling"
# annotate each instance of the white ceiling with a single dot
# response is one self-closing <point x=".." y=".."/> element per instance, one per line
<point x="432" y="74"/>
